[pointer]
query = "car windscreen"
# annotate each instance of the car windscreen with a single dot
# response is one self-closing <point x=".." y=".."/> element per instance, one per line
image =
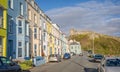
<point x="98" y="56"/>
<point x="113" y="62"/>
<point x="53" y="55"/>
<point x="66" y="54"/>
<point x="5" y="60"/>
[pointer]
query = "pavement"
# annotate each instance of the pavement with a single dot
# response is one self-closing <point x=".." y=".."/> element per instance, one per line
<point x="75" y="64"/>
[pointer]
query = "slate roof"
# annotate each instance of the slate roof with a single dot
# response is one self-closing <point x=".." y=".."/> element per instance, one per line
<point x="74" y="43"/>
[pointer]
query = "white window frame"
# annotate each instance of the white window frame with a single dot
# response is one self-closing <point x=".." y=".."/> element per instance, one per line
<point x="19" y="52"/>
<point x="44" y="25"/>
<point x="10" y="29"/>
<point x="21" y="9"/>
<point x="11" y="4"/>
<point x="19" y="42"/>
<point x="35" y="33"/>
<point x="20" y="26"/>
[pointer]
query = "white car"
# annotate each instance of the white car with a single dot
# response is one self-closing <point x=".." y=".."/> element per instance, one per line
<point x="54" y="58"/>
<point x="109" y="64"/>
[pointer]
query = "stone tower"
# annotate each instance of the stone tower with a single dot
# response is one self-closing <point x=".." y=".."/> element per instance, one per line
<point x="72" y="31"/>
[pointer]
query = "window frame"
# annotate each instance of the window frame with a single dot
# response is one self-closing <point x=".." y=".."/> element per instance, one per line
<point x="11" y="4"/>
<point x="35" y="33"/>
<point x="35" y="49"/>
<point x="20" y="31"/>
<point x="19" y="52"/>
<point x="19" y="43"/>
<point x="10" y="28"/>
<point x="21" y="9"/>
<point x="1" y="17"/>
<point x="29" y="14"/>
<point x="1" y="48"/>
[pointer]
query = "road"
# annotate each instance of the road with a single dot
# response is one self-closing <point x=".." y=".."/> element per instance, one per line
<point x="75" y="64"/>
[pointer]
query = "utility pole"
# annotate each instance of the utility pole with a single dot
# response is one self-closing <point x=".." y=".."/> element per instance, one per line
<point x="93" y="41"/>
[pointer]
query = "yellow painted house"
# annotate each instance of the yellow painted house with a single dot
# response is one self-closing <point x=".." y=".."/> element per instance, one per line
<point x="53" y="48"/>
<point x="53" y="40"/>
<point x="3" y="27"/>
<point x="50" y="39"/>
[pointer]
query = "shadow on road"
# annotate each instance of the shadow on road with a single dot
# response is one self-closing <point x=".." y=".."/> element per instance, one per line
<point x="90" y="60"/>
<point x="26" y="71"/>
<point x="93" y="61"/>
<point x="90" y="70"/>
<point x="86" y="69"/>
<point x="77" y="63"/>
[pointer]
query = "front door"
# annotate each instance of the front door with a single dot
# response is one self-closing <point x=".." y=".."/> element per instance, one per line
<point x="1" y="46"/>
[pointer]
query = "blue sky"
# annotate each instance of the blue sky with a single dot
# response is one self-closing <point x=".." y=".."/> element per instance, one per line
<point x="102" y="16"/>
<point x="51" y="4"/>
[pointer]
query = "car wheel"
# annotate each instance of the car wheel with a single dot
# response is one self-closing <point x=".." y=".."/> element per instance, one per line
<point x="19" y="70"/>
<point x="60" y="60"/>
<point x="98" y="69"/>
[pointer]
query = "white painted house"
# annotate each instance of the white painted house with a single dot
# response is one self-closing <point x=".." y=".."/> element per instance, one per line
<point x="75" y="47"/>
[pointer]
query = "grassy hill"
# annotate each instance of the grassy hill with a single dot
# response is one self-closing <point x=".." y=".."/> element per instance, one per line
<point x="103" y="44"/>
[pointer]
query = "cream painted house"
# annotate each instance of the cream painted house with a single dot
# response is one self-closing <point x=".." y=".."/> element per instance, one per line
<point x="35" y="28"/>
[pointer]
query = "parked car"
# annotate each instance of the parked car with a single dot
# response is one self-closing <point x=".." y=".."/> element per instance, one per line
<point x="89" y="53"/>
<point x="97" y="57"/>
<point x="54" y="58"/>
<point x="66" y="56"/>
<point x="81" y="54"/>
<point x="27" y="58"/>
<point x="38" y="60"/>
<point x="109" y="64"/>
<point x="72" y="54"/>
<point x="6" y="65"/>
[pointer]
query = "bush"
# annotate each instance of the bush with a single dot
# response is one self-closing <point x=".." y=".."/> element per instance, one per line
<point x="26" y="65"/>
<point x="27" y="62"/>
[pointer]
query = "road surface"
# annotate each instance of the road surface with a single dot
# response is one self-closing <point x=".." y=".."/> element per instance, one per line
<point x="75" y="64"/>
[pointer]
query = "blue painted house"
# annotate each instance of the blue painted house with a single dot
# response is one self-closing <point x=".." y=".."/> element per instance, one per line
<point x="64" y="44"/>
<point x="18" y="29"/>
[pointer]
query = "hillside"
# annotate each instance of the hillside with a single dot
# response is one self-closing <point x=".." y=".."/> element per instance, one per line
<point x="103" y="44"/>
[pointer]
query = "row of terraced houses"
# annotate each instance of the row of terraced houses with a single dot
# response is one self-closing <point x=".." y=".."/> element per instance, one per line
<point x="26" y="31"/>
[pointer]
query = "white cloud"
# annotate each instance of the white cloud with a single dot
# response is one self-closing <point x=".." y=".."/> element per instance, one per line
<point x="95" y="16"/>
